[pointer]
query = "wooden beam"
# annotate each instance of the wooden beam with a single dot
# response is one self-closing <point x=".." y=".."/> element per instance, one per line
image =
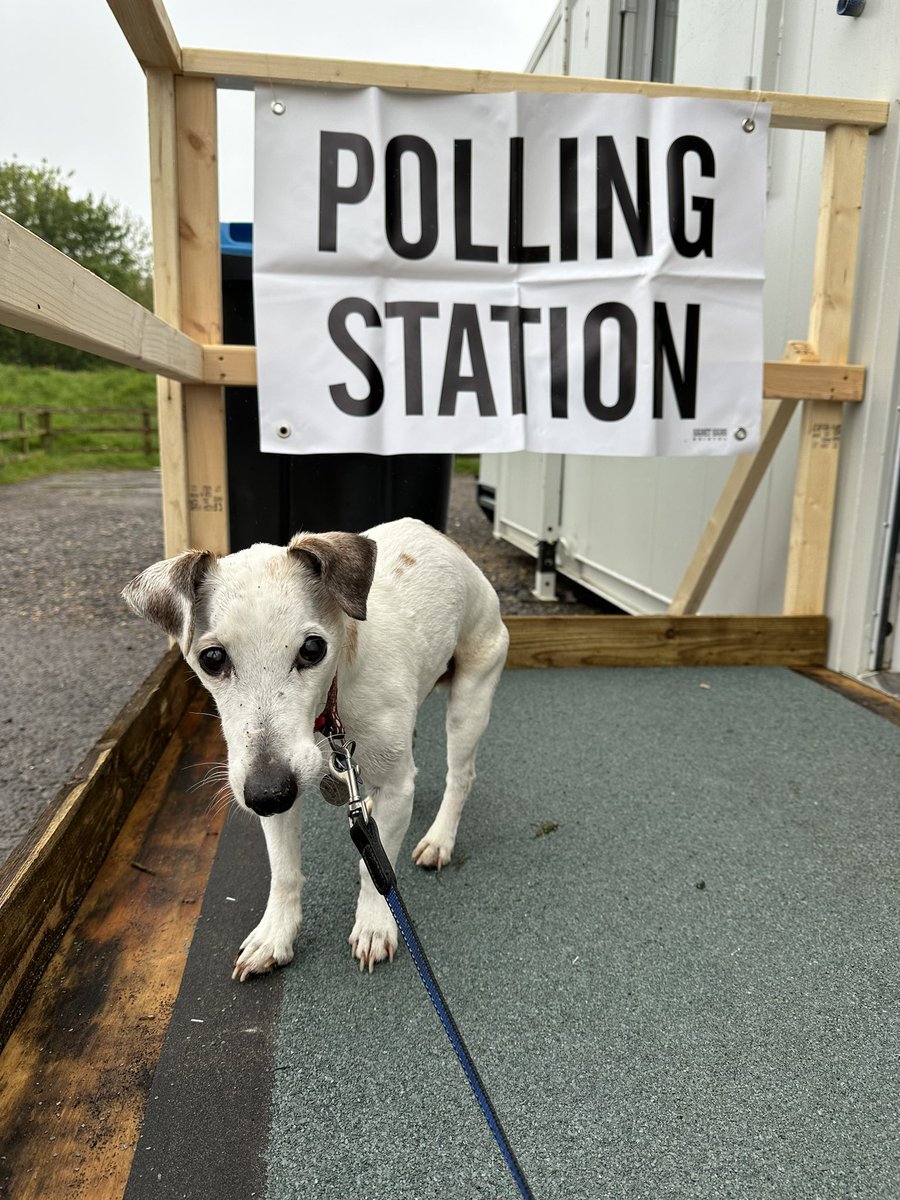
<point x="167" y="303"/>
<point x="737" y="495"/>
<point x="231" y="366"/>
<point x="201" y="307"/>
<point x="235" y="366"/>
<point x="806" y="379"/>
<point x="664" y="641"/>
<point x="233" y="68"/>
<point x="43" y="291"/>
<point x="148" y="31"/>
<point x="45" y="878"/>
<point x="843" y="176"/>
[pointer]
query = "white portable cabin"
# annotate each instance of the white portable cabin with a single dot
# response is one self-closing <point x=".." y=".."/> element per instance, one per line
<point x="625" y="528"/>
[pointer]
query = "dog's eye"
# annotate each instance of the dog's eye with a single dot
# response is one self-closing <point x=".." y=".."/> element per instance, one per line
<point x="312" y="651"/>
<point x="213" y="660"/>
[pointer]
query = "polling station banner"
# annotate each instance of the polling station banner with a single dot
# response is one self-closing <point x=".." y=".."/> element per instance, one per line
<point x="577" y="274"/>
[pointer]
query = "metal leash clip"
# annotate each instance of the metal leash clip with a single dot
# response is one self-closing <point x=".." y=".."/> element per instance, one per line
<point x="343" y="783"/>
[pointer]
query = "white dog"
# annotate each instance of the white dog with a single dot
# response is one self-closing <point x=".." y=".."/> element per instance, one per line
<point x="386" y="615"/>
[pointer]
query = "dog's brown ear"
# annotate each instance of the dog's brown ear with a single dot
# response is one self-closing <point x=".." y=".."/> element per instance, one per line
<point x="345" y="563"/>
<point x="166" y="592"/>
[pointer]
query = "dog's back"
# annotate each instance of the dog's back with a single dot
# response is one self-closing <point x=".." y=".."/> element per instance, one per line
<point x="426" y="586"/>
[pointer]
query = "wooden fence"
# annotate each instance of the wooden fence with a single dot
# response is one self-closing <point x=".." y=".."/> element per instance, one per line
<point x="43" y="428"/>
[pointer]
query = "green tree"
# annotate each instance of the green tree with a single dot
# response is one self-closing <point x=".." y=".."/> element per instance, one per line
<point x="98" y="234"/>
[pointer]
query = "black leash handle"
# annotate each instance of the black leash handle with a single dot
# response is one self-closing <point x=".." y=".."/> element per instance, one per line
<point x="367" y="840"/>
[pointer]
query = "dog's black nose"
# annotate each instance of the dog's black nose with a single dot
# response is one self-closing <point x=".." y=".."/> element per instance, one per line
<point x="270" y="788"/>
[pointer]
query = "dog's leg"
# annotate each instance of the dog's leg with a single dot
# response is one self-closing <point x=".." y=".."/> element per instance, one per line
<point x="374" y="935"/>
<point x="271" y="943"/>
<point x="468" y="711"/>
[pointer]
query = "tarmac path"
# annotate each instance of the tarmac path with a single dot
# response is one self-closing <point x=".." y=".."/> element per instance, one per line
<point x="72" y="654"/>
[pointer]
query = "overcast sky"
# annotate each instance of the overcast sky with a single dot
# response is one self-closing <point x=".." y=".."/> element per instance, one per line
<point x="72" y="92"/>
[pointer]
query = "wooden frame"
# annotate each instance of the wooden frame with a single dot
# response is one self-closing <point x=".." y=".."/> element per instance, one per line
<point x="193" y="365"/>
<point x="828" y="339"/>
<point x="814" y="372"/>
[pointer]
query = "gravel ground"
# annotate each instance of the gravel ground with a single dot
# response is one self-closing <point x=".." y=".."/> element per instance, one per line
<point x="74" y="655"/>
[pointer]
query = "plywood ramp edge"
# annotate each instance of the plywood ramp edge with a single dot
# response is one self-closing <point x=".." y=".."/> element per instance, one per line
<point x="76" y="1072"/>
<point x="45" y="879"/>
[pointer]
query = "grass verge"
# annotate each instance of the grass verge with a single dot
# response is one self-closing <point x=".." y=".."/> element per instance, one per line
<point x="120" y="445"/>
<point x="25" y="391"/>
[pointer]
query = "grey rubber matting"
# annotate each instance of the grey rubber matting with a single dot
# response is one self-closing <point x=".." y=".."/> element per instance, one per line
<point x="669" y="937"/>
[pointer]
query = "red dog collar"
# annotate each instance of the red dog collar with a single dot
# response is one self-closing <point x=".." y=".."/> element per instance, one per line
<point x="328" y="722"/>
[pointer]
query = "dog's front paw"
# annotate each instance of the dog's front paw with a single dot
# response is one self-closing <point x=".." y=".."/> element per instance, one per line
<point x="434" y="851"/>
<point x="374" y="936"/>
<point x="270" y="945"/>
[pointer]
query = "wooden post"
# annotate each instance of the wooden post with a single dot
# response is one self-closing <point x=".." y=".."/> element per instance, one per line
<point x="843" y="174"/>
<point x="737" y="495"/>
<point x="201" y="307"/>
<point x="23" y="432"/>
<point x="167" y="303"/>
<point x="44" y="424"/>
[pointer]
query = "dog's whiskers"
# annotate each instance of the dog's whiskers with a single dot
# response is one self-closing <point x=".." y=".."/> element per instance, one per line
<point x="216" y="774"/>
<point x="214" y="764"/>
<point x="220" y="801"/>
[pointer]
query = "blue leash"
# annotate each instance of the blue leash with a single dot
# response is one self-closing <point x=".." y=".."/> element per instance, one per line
<point x="402" y="917"/>
<point x="366" y="838"/>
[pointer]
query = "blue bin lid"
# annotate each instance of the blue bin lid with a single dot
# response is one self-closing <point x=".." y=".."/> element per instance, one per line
<point x="236" y="237"/>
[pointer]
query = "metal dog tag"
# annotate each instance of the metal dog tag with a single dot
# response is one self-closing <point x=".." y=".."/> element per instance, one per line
<point x="343" y="782"/>
<point x="334" y="792"/>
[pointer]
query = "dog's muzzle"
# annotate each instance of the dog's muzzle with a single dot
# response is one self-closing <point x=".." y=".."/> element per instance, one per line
<point x="270" y="788"/>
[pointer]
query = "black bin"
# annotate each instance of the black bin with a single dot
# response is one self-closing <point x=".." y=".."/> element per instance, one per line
<point x="273" y="496"/>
